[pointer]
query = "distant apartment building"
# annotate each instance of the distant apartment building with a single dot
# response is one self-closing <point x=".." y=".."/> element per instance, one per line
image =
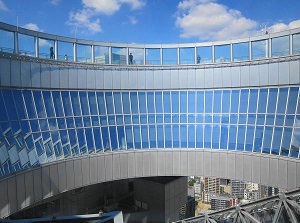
<point x="237" y="188"/>
<point x="212" y="185"/>
<point x="220" y="202"/>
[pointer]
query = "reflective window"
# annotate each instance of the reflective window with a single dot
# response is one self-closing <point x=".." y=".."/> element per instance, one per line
<point x="152" y="56"/>
<point x="276" y="140"/>
<point x="101" y="54"/>
<point x="75" y="103"/>
<point x="144" y="133"/>
<point x="251" y="118"/>
<point x="200" y="102"/>
<point x="187" y="55"/>
<point x="267" y="139"/>
<point x="46" y="48"/>
<point x="26" y="45"/>
<point x="84" y="103"/>
<point x="279" y="120"/>
<point x="199" y="136"/>
<point x="65" y="51"/>
<point x="66" y="103"/>
<point x="48" y="104"/>
<point x="137" y="137"/>
<point x="272" y="100"/>
<point x="244" y="100"/>
<point x="224" y="136"/>
<point x="118" y="55"/>
<point x="175" y="131"/>
<point x="84" y="53"/>
<point x="126" y="102"/>
<point x="282" y="99"/>
<point x="39" y="104"/>
<point x="29" y="104"/>
<point x="225" y="101"/>
<point x="262" y="102"/>
<point x="217" y="102"/>
<point x="249" y="138"/>
<point x="191" y="101"/>
<point x="270" y="119"/>
<point x="258" y="139"/>
<point x="191" y="136"/>
<point x="286" y="141"/>
<point x="234" y="105"/>
<point x="167" y="101"/>
<point x="240" y="51"/>
<point x="137" y="56"/>
<point x="9" y="104"/>
<point x="280" y="46"/>
<point x="183" y="136"/>
<point x="142" y="102"/>
<point x="222" y="53"/>
<point x="160" y="136"/>
<point x="253" y="100"/>
<point x="292" y="102"/>
<point x="6" y="41"/>
<point x="158" y="102"/>
<point x="207" y="136"/>
<point x="216" y="137"/>
<point x="204" y="54"/>
<point x="232" y="137"/>
<point x="19" y="104"/>
<point x="121" y="137"/>
<point x="168" y="136"/>
<point x="208" y="101"/>
<point x="117" y="102"/>
<point x="152" y="136"/>
<point x="134" y="103"/>
<point x="175" y="101"/>
<point x="105" y="138"/>
<point x="183" y="101"/>
<point x="259" y="49"/>
<point x="150" y="102"/>
<point x="92" y="102"/>
<point x="241" y="137"/>
<point x="296" y="43"/>
<point x="169" y="56"/>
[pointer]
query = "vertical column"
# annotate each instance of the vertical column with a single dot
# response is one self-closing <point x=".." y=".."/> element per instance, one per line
<point x="16" y="43"/>
<point x="36" y="46"/>
<point x="109" y="55"/>
<point x="161" y="55"/>
<point x="269" y="48"/>
<point x="250" y="50"/>
<point x="93" y="54"/>
<point x="231" y="52"/>
<point x="213" y="53"/>
<point x="291" y="44"/>
<point x="127" y="55"/>
<point x="74" y="52"/>
<point x="178" y="55"/>
<point x="55" y="50"/>
<point x="195" y="55"/>
<point x="144" y="59"/>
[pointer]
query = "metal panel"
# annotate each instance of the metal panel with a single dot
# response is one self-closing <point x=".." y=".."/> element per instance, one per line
<point x="45" y="75"/>
<point x="273" y="180"/>
<point x="29" y="188"/>
<point x="161" y="158"/>
<point x="182" y="77"/>
<point x="200" y="80"/>
<point x="55" y="77"/>
<point x="124" y="79"/>
<point x="264" y="170"/>
<point x="133" y="79"/>
<point x="70" y="175"/>
<point x="54" y="179"/>
<point x="77" y="173"/>
<point x="247" y="166"/>
<point x="215" y="164"/>
<point x="209" y="78"/>
<point x="169" y="163"/>
<point x="82" y="78"/>
<point x="116" y="166"/>
<point x="99" y="79"/>
<point x="131" y="165"/>
<point x="284" y="69"/>
<point x="153" y="163"/>
<point x="175" y="79"/>
<point x="292" y="175"/>
<point x="4" y="204"/>
<point x="263" y="74"/>
<point x="146" y="164"/>
<point x="12" y="194"/>
<point x="25" y="74"/>
<point x="298" y="174"/>
<point x="37" y="184"/>
<point x="108" y="168"/>
<point x="73" y="78"/>
<point x="141" y="79"/>
<point x="35" y="74"/>
<point x="107" y="79"/>
<point x="255" y="169"/>
<point x="218" y="80"/>
<point x="62" y="177"/>
<point x="20" y="179"/>
<point x="157" y="80"/>
<point x="176" y="162"/>
<point x="93" y="170"/>
<point x="239" y="159"/>
<point x="207" y="163"/>
<point x="90" y="79"/>
<point x="199" y="163"/>
<point x="231" y="166"/>
<point x="245" y="76"/>
<point x="254" y="76"/>
<point x="282" y="174"/>
<point x="5" y="72"/>
<point x="149" y="79"/>
<point x="116" y="77"/>
<point x="85" y="164"/>
<point x="63" y="77"/>
<point x="124" y="165"/>
<point x="191" y="163"/>
<point x="273" y="74"/>
<point x="184" y="163"/>
<point x="294" y="72"/>
<point x="46" y="182"/>
<point x="235" y="76"/>
<point x="138" y="164"/>
<point x="15" y="73"/>
<point x="226" y="77"/>
<point x="191" y="78"/>
<point x="166" y="79"/>
<point x="101" y="169"/>
<point x="223" y="164"/>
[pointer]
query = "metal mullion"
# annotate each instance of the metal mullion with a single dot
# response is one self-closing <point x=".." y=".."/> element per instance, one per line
<point x="284" y="123"/>
<point x="297" y="104"/>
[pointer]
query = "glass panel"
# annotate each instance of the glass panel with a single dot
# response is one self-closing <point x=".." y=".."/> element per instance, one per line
<point x="244" y="100"/>
<point x="253" y="101"/>
<point x="217" y="102"/>
<point x="207" y="136"/>
<point x="19" y="104"/>
<point x="224" y="136"/>
<point x="121" y="137"/>
<point x="286" y="141"/>
<point x="66" y="103"/>
<point x="101" y="54"/>
<point x="150" y="102"/>
<point x="84" y="53"/>
<point x="46" y="48"/>
<point x="29" y="104"/>
<point x="270" y="119"/>
<point x="175" y="135"/>
<point x="169" y="56"/>
<point x="26" y="45"/>
<point x="234" y="101"/>
<point x="6" y="41"/>
<point x="240" y="51"/>
<point x="296" y="43"/>
<point x="75" y="103"/>
<point x="167" y="101"/>
<point x="105" y="138"/>
<point x="187" y="55"/>
<point x="258" y="139"/>
<point x="175" y="101"/>
<point x="84" y="103"/>
<point x="262" y="102"/>
<point x="10" y="105"/>
<point x="204" y="54"/>
<point x="191" y="101"/>
<point x="208" y="101"/>
<point x="216" y="136"/>
<point x="57" y="104"/>
<point x="109" y="103"/>
<point x="65" y="51"/>
<point x="225" y="101"/>
<point x="241" y="137"/>
<point x="158" y="102"/>
<point x="117" y="102"/>
<point x="272" y="100"/>
<point x="118" y="55"/>
<point x="48" y="103"/>
<point x="126" y="102"/>
<point x="145" y="140"/>
<point x="280" y="46"/>
<point x="292" y="102"/>
<point x="267" y="139"/>
<point x="200" y="102"/>
<point x="137" y="56"/>
<point x="142" y="102"/>
<point x="92" y="103"/>
<point x="152" y="136"/>
<point x="113" y="137"/>
<point x="183" y="136"/>
<point x="222" y="53"/>
<point x="282" y="99"/>
<point x="160" y="136"/>
<point x="259" y="49"/>
<point x="199" y="136"/>
<point x="249" y="138"/>
<point x="168" y="136"/>
<point x="276" y="140"/>
<point x="232" y="137"/>
<point x="183" y="101"/>
<point x="152" y="56"/>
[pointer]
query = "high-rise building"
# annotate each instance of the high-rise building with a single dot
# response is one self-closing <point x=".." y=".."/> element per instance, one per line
<point x="212" y="185"/>
<point x="237" y="188"/>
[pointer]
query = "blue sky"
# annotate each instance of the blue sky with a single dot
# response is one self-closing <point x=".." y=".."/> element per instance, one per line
<point x="152" y="21"/>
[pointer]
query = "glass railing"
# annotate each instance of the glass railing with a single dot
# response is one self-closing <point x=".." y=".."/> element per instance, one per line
<point x="27" y="42"/>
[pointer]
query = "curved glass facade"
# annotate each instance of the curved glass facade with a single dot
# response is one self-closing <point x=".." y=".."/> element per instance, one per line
<point x="40" y="126"/>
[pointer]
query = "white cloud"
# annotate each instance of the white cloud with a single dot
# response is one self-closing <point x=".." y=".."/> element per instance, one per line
<point x="3" y="7"/>
<point x="133" y="20"/>
<point x="281" y="26"/>
<point x="54" y="2"/>
<point x="209" y="21"/>
<point x="33" y="27"/>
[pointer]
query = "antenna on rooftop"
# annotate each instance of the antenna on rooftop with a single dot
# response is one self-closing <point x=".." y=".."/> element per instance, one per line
<point x="264" y="28"/>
